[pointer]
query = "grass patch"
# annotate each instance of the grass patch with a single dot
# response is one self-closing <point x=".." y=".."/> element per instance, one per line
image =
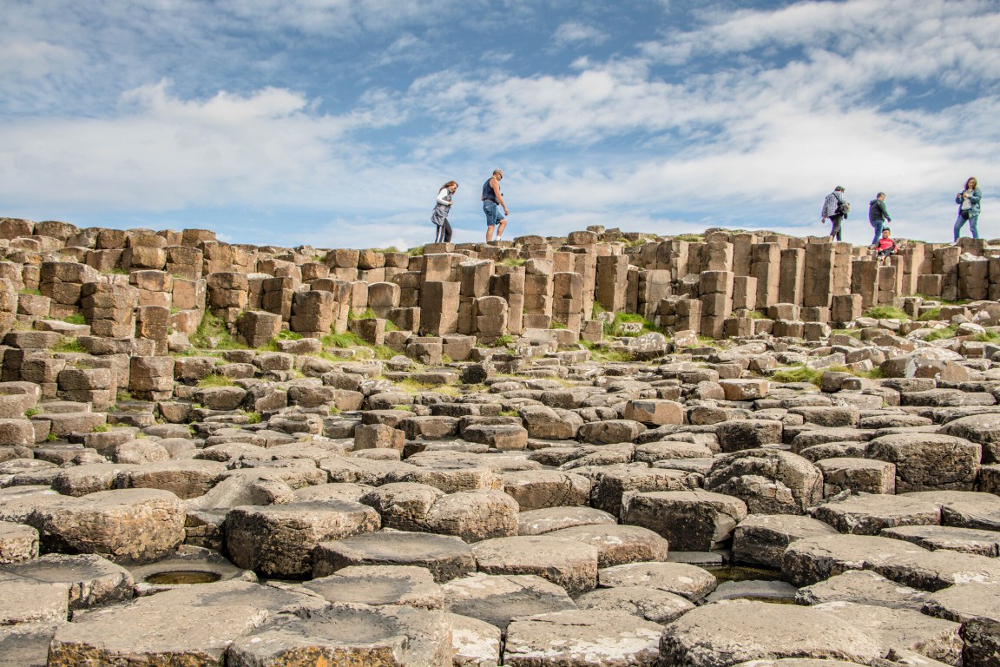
<point x="411" y="386"/>
<point x="391" y="248"/>
<point x="503" y="341"/>
<point x="616" y="327"/>
<point x="415" y="252"/>
<point x="334" y="410"/>
<point x="690" y="238"/>
<point x="253" y="417"/>
<point x="213" y="334"/>
<point x="928" y="315"/>
<point x="368" y="314"/>
<point x="509" y="413"/>
<point x="75" y="318"/>
<point x="604" y="354"/>
<point x="886" y="313"/>
<point x="557" y="325"/>
<point x="52" y="437"/>
<point x="343" y="340"/>
<point x="596" y="310"/>
<point x="69" y="345"/>
<point x="512" y="261"/>
<point x="31" y="412"/>
<point x="31" y="292"/>
<point x="940" y="334"/>
<point x="100" y="428"/>
<point x="288" y="335"/>
<point x="987" y="337"/>
<point x="853" y="333"/>
<point x="215" y="380"/>
<point x="800" y="373"/>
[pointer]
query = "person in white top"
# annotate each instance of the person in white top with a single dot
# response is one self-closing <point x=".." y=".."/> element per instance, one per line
<point x="440" y="215"/>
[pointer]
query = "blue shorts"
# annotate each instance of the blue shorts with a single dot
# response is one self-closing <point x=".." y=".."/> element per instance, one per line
<point x="492" y="210"/>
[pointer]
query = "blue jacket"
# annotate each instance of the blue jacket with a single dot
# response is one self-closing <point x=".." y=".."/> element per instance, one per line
<point x="977" y="194"/>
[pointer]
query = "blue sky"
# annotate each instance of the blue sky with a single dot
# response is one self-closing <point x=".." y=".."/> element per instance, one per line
<point x="334" y="122"/>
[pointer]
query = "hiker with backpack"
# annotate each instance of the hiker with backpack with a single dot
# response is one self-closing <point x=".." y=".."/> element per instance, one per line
<point x="878" y="216"/>
<point x="836" y="208"/>
<point x="968" y="208"/>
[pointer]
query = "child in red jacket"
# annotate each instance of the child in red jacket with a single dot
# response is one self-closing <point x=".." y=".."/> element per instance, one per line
<point x="885" y="246"/>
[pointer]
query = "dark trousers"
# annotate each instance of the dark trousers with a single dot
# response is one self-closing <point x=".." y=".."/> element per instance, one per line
<point x="443" y="232"/>
<point x="835" y="228"/>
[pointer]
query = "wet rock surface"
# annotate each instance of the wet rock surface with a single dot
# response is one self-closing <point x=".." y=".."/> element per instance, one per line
<point x="282" y="456"/>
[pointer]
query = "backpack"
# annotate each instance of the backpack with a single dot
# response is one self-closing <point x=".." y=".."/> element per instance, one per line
<point x="843" y="208"/>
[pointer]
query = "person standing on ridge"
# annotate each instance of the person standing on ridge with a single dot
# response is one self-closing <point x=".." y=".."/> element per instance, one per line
<point x="968" y="208"/>
<point x="441" y="209"/>
<point x="878" y="216"/>
<point x="492" y="199"/>
<point x="836" y="208"/>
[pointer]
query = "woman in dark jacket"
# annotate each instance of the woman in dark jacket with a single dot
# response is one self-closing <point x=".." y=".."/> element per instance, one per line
<point x="968" y="207"/>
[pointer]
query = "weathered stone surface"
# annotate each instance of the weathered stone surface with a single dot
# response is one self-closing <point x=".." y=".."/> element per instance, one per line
<point x="689" y="581"/>
<point x="473" y="515"/>
<point x="535" y="489"/>
<point x="547" y="520"/>
<point x="446" y="557"/>
<point x="126" y="526"/>
<point x="402" y="505"/>
<point x="862" y="587"/>
<point x="26" y="645"/>
<point x="30" y="601"/>
<point x="497" y="599"/>
<point x="868" y="514"/>
<point x="18" y="543"/>
<point x="92" y="581"/>
<point x="278" y="540"/>
<point x="689" y="520"/>
<point x="617" y="545"/>
<point x="768" y="481"/>
<point x="727" y="633"/>
<point x="650" y="604"/>
<point x="582" y="637"/>
<point x="761" y="539"/>
<point x="967" y="540"/>
<point x="380" y="585"/>
<point x="566" y="563"/>
<point x="204" y="620"/>
<point x="928" y="461"/>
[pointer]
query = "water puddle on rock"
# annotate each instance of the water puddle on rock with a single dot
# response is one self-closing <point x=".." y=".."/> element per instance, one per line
<point x="744" y="573"/>
<point x="182" y="577"/>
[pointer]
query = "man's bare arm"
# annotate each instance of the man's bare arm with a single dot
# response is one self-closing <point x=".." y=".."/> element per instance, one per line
<point x="496" y="193"/>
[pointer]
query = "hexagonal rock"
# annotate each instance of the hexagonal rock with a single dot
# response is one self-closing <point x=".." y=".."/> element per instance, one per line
<point x="566" y="563"/>
<point x="402" y="505"/>
<point x="857" y="475"/>
<point x="186" y="479"/>
<point x="966" y="540"/>
<point x="18" y="543"/>
<point x="964" y="509"/>
<point x="983" y="429"/>
<point x="446" y="557"/>
<point x="768" y="481"/>
<point x="617" y="545"/>
<point x="540" y="522"/>
<point x="689" y="520"/>
<point x="745" y="390"/>
<point x="347" y="634"/>
<point x="475" y="643"/>
<point x="203" y="621"/>
<point x="29" y="601"/>
<point x="654" y="411"/>
<point x="729" y="632"/>
<point x="868" y="514"/>
<point x="610" y="638"/>
<point x="93" y="581"/>
<point x="814" y="559"/>
<point x="836" y="416"/>
<point x="278" y="540"/>
<point x="505" y="437"/>
<point x="863" y="587"/>
<point x="473" y="515"/>
<point x="689" y="581"/>
<point x="535" y="489"/>
<point x="965" y="602"/>
<point x="905" y="629"/>
<point x="610" y="431"/>
<point x="928" y="461"/>
<point x="379" y="585"/>
<point x="648" y="603"/>
<point x="496" y="599"/>
<point x="125" y="526"/>
<point x="26" y="645"/>
<point x="611" y="487"/>
<point x="761" y="539"/>
<point x="748" y="434"/>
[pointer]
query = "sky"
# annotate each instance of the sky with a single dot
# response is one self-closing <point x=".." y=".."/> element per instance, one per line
<point x="333" y="123"/>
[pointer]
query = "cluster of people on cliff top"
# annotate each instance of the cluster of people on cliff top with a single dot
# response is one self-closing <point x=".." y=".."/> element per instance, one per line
<point x="836" y="208"/>
<point x="492" y="200"/>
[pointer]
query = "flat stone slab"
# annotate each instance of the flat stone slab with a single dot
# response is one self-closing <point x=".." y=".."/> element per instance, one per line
<point x="446" y="557"/>
<point x="650" y="604"/>
<point x="93" y="581"/>
<point x="473" y="515"/>
<point x="567" y="563"/>
<point x="902" y="629"/>
<point x="535" y="489"/>
<point x="868" y="514"/>
<point x="29" y="601"/>
<point x="928" y="461"/>
<point x="964" y="509"/>
<point x="966" y="540"/>
<point x="965" y="602"/>
<point x="862" y="587"/>
<point x="380" y="585"/>
<point x="610" y="638"/>
<point x="349" y="634"/>
<point x="689" y="520"/>
<point x="496" y="599"/>
<point x="203" y="621"/>
<point x="690" y="581"/>
<point x="188" y="566"/>
<point x="761" y="539"/>
<point x="26" y="645"/>
<point x="18" y="542"/>
<point x="475" y="643"/>
<point x="726" y="633"/>
<point x="754" y="589"/>
<point x="402" y="505"/>
<point x="125" y="526"/>
<point x="550" y="519"/>
<point x="278" y="540"/>
<point x="617" y="545"/>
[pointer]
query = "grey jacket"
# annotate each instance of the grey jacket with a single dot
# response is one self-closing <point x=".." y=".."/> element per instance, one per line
<point x="831" y="202"/>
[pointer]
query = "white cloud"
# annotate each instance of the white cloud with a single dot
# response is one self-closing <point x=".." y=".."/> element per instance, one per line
<point x="572" y="32"/>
